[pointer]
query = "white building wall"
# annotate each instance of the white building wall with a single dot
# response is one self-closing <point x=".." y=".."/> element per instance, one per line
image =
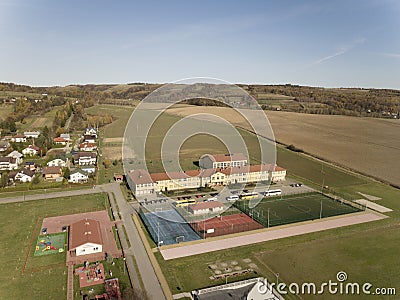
<point x="88" y="248"/>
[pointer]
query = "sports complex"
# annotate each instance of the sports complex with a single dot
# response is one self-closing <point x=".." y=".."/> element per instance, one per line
<point x="168" y="225"/>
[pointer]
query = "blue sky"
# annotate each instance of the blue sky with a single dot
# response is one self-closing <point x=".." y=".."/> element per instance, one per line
<point x="352" y="43"/>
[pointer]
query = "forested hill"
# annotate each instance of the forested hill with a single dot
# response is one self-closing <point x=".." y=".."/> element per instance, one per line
<point x="303" y="99"/>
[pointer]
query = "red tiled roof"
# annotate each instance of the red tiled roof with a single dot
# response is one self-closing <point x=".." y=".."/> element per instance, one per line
<point x="85" y="231"/>
<point x="59" y="139"/>
<point x="140" y="176"/>
<point x="51" y="170"/>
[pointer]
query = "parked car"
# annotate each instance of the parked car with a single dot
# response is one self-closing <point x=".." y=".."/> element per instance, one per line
<point x="296" y="185"/>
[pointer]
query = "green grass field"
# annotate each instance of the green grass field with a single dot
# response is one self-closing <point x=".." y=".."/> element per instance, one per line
<point x="119" y="112"/>
<point x="295" y="208"/>
<point x="5" y="110"/>
<point x="44" y="276"/>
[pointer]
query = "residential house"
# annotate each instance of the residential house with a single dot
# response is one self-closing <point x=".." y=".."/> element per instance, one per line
<point x="18" y="156"/>
<point x="206" y="207"/>
<point x="141" y="182"/>
<point x="8" y="163"/>
<point x="31" y="150"/>
<point x="85" y="238"/>
<point x="32" y="134"/>
<point x="89" y="138"/>
<point x="57" y="162"/>
<point x="65" y="136"/>
<point x="85" y="158"/>
<point x="89" y="169"/>
<point x="18" y="138"/>
<point x="30" y="165"/>
<point x="78" y="176"/>
<point x="52" y="173"/>
<point x="91" y="131"/>
<point x="118" y="178"/>
<point x="88" y="146"/>
<point x="24" y="175"/>
<point x="218" y="161"/>
<point x="60" y="141"/>
<point x="4" y="145"/>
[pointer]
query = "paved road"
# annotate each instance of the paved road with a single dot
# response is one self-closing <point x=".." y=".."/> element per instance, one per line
<point x="45" y="195"/>
<point x="149" y="278"/>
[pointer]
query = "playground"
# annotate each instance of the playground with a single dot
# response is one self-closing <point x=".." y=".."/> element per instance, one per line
<point x="297" y="208"/>
<point x="50" y="244"/>
<point x="90" y="274"/>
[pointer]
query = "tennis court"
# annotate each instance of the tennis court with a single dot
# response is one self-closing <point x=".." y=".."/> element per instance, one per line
<point x="168" y="227"/>
<point x="296" y="208"/>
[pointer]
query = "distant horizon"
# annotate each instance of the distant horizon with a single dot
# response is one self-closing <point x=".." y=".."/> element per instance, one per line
<point x="234" y="83"/>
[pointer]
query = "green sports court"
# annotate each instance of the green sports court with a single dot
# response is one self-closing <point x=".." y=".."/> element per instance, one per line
<point x="297" y="208"/>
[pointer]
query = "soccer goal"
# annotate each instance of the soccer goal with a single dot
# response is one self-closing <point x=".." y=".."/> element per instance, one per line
<point x="180" y="239"/>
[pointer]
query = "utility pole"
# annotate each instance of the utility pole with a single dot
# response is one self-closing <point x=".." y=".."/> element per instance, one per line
<point x="320" y="212"/>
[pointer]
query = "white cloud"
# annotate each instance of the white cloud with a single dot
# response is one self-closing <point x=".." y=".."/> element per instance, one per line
<point x="391" y="55"/>
<point x="340" y="51"/>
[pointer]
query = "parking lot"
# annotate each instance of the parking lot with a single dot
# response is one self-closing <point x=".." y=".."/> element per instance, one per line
<point x="287" y="187"/>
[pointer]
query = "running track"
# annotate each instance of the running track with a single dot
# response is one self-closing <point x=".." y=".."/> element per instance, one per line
<point x="269" y="235"/>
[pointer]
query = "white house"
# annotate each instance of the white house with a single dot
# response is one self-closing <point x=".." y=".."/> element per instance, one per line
<point x="8" y="163"/>
<point x="32" y="134"/>
<point x="57" y="162"/>
<point x="25" y="175"/>
<point x="91" y="131"/>
<point x="89" y="138"/>
<point x="89" y="169"/>
<point x="31" y="150"/>
<point x="85" y="158"/>
<point x="218" y="161"/>
<point x="18" y="138"/>
<point x="18" y="156"/>
<point x="78" y="176"/>
<point x="85" y="238"/>
<point x="206" y="207"/>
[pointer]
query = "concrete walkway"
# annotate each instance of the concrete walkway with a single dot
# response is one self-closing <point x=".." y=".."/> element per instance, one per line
<point x="268" y="235"/>
<point x="70" y="283"/>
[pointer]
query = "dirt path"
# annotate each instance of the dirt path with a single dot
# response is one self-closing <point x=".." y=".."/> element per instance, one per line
<point x="268" y="235"/>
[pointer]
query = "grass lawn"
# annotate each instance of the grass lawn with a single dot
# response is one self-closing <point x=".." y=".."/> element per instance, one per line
<point x="38" y="122"/>
<point x="45" y="277"/>
<point x="121" y="113"/>
<point x="5" y="110"/>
